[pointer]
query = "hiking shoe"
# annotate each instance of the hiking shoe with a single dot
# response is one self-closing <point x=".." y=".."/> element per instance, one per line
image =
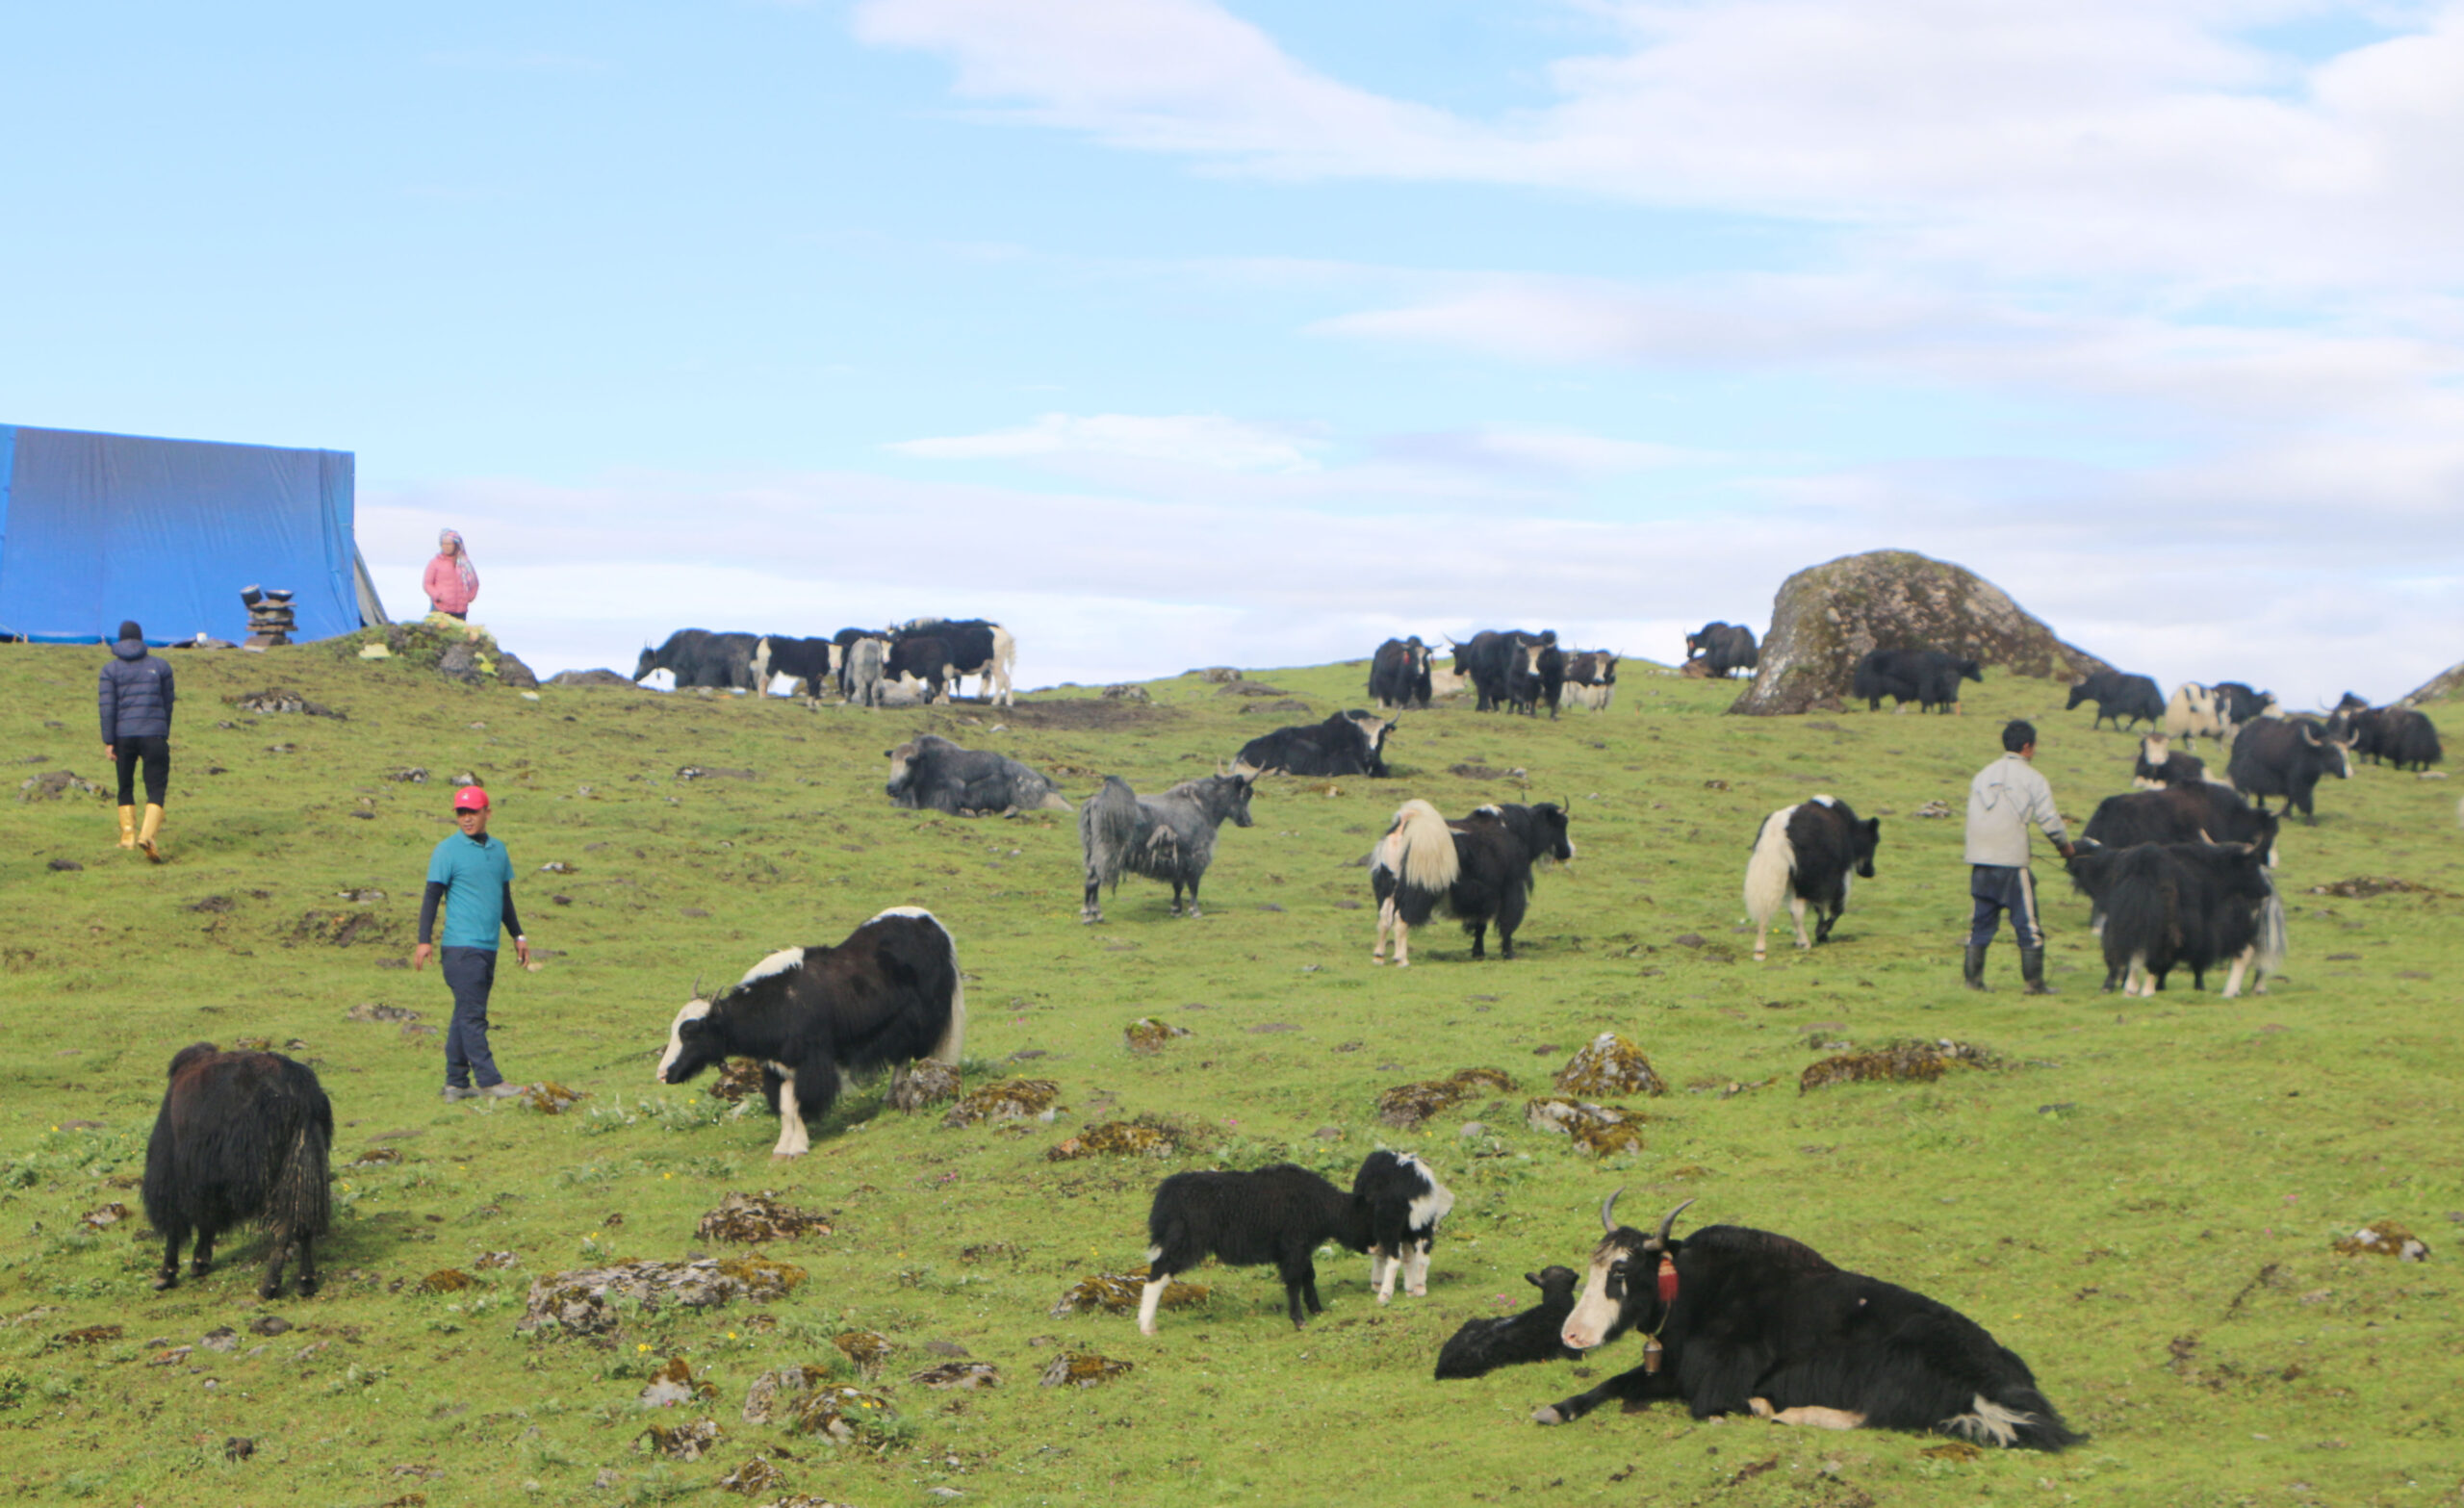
<point x="499" y="1092"/>
<point x="456" y="1091"/>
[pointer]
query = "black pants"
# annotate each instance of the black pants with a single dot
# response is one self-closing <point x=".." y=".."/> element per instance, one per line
<point x="154" y="749"/>
<point x="469" y="973"/>
<point x="1997" y="888"/>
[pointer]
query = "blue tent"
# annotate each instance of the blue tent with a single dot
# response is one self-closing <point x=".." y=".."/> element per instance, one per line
<point x="95" y="528"/>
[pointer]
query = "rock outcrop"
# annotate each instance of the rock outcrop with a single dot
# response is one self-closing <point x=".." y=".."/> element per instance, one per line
<point x="2444" y="686"/>
<point x="1827" y="618"/>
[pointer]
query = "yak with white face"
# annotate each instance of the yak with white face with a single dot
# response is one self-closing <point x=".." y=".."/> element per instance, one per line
<point x="815" y="1018"/>
<point x="1744" y="1322"/>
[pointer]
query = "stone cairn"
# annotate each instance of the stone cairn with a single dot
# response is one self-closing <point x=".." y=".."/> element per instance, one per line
<point x="269" y="616"/>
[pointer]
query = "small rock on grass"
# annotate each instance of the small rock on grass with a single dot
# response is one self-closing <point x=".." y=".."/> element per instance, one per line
<point x="1083" y="1370"/>
<point x="683" y="1441"/>
<point x="2384" y="1238"/>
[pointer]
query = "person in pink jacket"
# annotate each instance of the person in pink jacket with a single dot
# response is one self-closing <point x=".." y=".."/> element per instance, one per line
<point x="452" y="582"/>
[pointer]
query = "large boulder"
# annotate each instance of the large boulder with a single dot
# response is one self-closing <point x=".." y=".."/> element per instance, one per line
<point x="2444" y="686"/>
<point x="1829" y="616"/>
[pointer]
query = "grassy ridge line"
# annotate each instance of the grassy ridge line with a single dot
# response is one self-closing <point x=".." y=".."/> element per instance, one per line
<point x="2090" y="1239"/>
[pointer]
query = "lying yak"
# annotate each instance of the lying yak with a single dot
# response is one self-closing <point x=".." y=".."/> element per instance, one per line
<point x="1739" y="1320"/>
<point x="1483" y="1345"/>
<point x="932" y="773"/>
<point x="1347" y="743"/>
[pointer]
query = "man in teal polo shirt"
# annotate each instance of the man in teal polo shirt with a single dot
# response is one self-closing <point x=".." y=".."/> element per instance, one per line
<point x="472" y="874"/>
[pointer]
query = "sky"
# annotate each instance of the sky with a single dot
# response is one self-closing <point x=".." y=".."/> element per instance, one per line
<point x="1187" y="332"/>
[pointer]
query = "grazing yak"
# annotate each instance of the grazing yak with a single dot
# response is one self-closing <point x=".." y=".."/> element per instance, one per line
<point x="1168" y="838"/>
<point x="1591" y="678"/>
<point x="1535" y="676"/>
<point x="1284" y="1213"/>
<point x="2160" y="764"/>
<point x="2241" y="704"/>
<point x="1483" y="1345"/>
<point x="1724" y="648"/>
<point x="2122" y="697"/>
<point x="2190" y="811"/>
<point x="1479" y="869"/>
<point x="923" y="662"/>
<point x="699" y="658"/>
<point x="242" y="1137"/>
<point x="1741" y="1320"/>
<point x="2399" y="737"/>
<point x="1347" y="743"/>
<point x="929" y="772"/>
<point x="1489" y="656"/>
<point x="970" y="647"/>
<point x="1928" y="678"/>
<point x="816" y="1018"/>
<point x="2194" y="905"/>
<point x="2285" y="757"/>
<point x="1398" y="674"/>
<point x="1808" y="852"/>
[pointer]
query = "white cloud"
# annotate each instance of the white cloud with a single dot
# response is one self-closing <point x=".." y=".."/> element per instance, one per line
<point x="1207" y="440"/>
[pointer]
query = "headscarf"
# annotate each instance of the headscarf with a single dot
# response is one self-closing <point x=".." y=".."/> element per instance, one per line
<point x="461" y="558"/>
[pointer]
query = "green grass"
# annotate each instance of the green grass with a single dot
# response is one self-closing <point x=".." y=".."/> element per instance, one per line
<point x="2141" y="1205"/>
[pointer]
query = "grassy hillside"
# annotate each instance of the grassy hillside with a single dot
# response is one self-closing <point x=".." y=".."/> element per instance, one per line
<point x="2140" y="1201"/>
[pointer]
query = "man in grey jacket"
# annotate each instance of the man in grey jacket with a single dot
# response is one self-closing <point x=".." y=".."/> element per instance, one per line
<point x="2004" y="798"/>
<point x="135" y="697"/>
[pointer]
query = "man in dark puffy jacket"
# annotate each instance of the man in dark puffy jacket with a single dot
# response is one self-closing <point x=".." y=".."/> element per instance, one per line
<point x="135" y="698"/>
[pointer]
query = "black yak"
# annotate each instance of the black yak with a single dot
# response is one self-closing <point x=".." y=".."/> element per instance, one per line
<point x="1168" y="838"/>
<point x="1808" y="852"/>
<point x="931" y="773"/>
<point x="2285" y="757"/>
<point x="1928" y="678"/>
<point x="815" y="1018"/>
<point x="2124" y="698"/>
<point x="1741" y="1320"/>
<point x="1483" y="1345"/>
<point x="1347" y="742"/>
<point x="242" y="1137"/>
<point x="2193" y="906"/>
<point x="1284" y="1213"/>
<point x="1398" y="674"/>
<point x="1479" y="869"/>
<point x="1724" y="648"/>
<point x="699" y="658"/>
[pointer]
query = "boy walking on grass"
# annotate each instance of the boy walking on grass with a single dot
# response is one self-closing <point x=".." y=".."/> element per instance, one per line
<point x="472" y="876"/>
<point x="2002" y="801"/>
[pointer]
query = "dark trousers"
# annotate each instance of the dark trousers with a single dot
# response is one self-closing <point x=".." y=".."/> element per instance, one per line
<point x="154" y="749"/>
<point x="469" y="973"/>
<point x="1997" y="888"/>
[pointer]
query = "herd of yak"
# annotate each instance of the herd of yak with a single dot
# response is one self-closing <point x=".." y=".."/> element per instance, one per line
<point x="1734" y="1320"/>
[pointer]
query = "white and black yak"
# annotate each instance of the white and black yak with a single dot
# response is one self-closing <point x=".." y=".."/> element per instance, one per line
<point x="1479" y="870"/>
<point x="1928" y="678"/>
<point x="816" y="1018"/>
<point x="1284" y="1213"/>
<point x="1168" y="838"/>
<point x="699" y="658"/>
<point x="2161" y="764"/>
<point x="1591" y="678"/>
<point x="971" y="647"/>
<point x="920" y="662"/>
<point x="1808" y="853"/>
<point x="1535" y="678"/>
<point x="929" y="772"/>
<point x="241" y="1137"/>
<point x="1398" y="674"/>
<point x="1745" y="1321"/>
<point x="2285" y="757"/>
<point x="1488" y="657"/>
<point x="1724" y="648"/>
<point x="806" y="662"/>
<point x="2194" y="905"/>
<point x="1347" y="742"/>
<point x="2121" y="697"/>
<point x="1483" y="1345"/>
<point x="2241" y="704"/>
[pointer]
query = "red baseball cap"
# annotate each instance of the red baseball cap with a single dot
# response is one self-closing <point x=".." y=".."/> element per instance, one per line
<point x="470" y="798"/>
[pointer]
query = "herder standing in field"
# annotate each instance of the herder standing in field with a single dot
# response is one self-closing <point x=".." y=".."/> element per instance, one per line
<point x="136" y="699"/>
<point x="2004" y="798"/>
<point x="472" y="874"/>
<point x="452" y="582"/>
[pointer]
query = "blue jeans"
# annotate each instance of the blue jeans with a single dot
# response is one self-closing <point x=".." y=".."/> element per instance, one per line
<point x="469" y="973"/>
<point x="1997" y="888"/>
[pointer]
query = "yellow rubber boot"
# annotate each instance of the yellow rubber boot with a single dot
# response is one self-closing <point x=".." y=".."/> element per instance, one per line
<point x="128" y="826"/>
<point x="147" y="834"/>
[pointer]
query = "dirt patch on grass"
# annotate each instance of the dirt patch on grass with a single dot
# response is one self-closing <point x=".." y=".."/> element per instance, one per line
<point x="1083" y="1370"/>
<point x="578" y="1302"/>
<point x="1609" y="1065"/>
<point x="341" y="929"/>
<point x="1084" y="714"/>
<point x="1920" y="1061"/>
<point x="746" y="1220"/>
<point x="1144" y="1136"/>
<point x="1009" y="1099"/>
<point x="1407" y="1107"/>
<point x="1597" y="1130"/>
<point x="2361" y="887"/>
<point x="1118" y="1293"/>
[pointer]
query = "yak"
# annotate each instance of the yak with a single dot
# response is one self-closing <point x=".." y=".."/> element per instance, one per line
<point x="1810" y="853"/>
<point x="932" y="773"/>
<point x="242" y="1137"/>
<point x="1168" y="838"/>
<point x="1479" y="869"/>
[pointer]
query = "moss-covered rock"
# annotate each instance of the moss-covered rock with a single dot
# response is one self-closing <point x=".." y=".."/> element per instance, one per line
<point x="2444" y="686"/>
<point x="1829" y="616"/>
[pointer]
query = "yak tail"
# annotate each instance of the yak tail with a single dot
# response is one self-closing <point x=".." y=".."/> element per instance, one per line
<point x="1108" y="828"/>
<point x="2273" y="939"/>
<point x="1424" y="855"/>
<point x="953" y="1034"/>
<point x="2023" y="1418"/>
<point x="1005" y="664"/>
<point x="302" y="1202"/>
<point x="1767" y="872"/>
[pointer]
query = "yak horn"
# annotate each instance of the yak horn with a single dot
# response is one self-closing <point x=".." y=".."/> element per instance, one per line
<point x="1669" y="1224"/>
<point x="1608" y="1220"/>
<point x="697" y="986"/>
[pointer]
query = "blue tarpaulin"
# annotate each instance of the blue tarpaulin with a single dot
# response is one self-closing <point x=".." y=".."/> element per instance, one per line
<point x="95" y="528"/>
